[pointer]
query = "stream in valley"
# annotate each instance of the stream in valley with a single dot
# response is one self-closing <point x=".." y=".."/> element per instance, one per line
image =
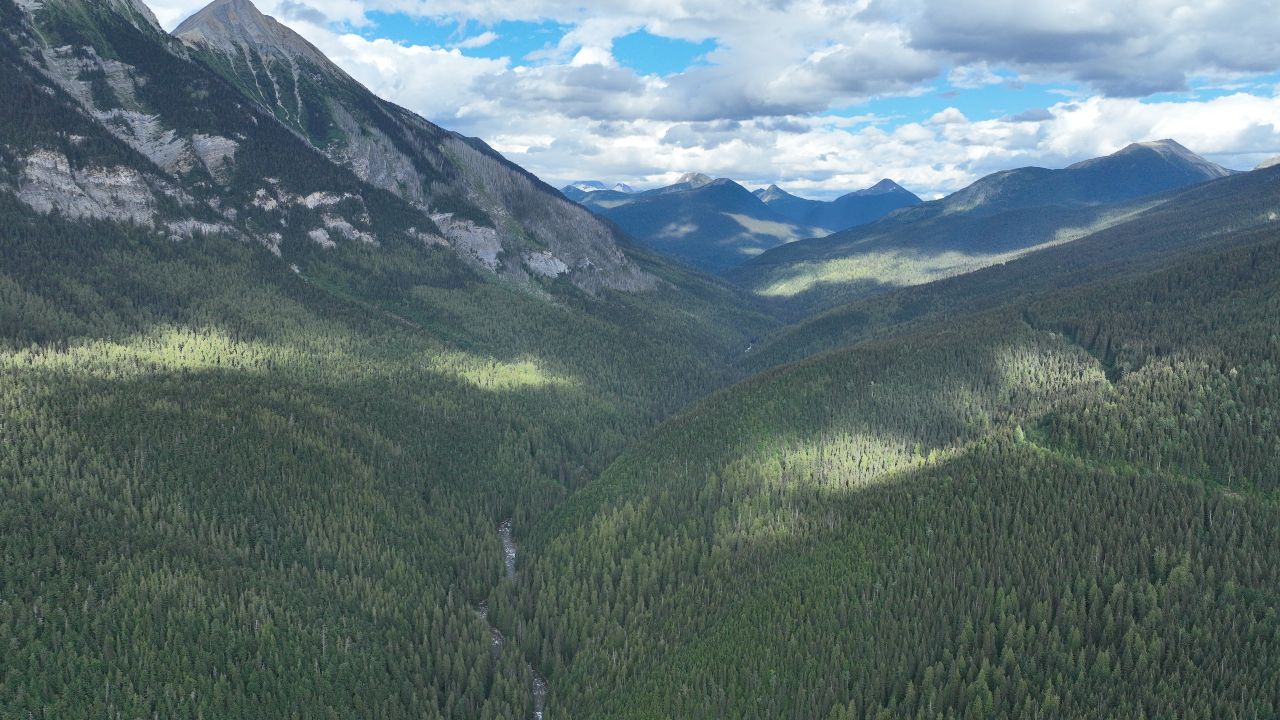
<point x="539" y="684"/>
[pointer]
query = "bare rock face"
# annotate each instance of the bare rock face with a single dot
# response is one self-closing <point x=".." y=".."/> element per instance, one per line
<point x="216" y="154"/>
<point x="186" y="229"/>
<point x="347" y="230"/>
<point x="48" y="183"/>
<point x="69" y="66"/>
<point x="148" y="135"/>
<point x="232" y="25"/>
<point x="426" y="238"/>
<point x="545" y="264"/>
<point x="373" y="156"/>
<point x="320" y="236"/>
<point x="393" y="149"/>
<point x="477" y="244"/>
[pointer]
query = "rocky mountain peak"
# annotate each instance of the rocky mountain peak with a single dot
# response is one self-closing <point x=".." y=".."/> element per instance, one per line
<point x="772" y="193"/>
<point x="1170" y="152"/>
<point x="883" y="187"/>
<point x="694" y="179"/>
<point x="228" y="25"/>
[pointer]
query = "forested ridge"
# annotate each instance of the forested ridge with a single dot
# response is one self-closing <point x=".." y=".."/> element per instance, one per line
<point x="1065" y="507"/>
<point x="232" y="491"/>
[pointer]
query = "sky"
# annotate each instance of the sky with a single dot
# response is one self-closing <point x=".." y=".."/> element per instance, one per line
<point x="821" y="97"/>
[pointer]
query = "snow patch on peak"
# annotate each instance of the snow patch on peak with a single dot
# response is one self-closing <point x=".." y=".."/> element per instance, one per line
<point x="588" y="186"/>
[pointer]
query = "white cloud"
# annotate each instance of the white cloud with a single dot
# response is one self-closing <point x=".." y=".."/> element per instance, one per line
<point x="759" y="112"/>
<point x="589" y="55"/>
<point x="930" y="159"/>
<point x="949" y="116"/>
<point x="477" y="41"/>
<point x="973" y="76"/>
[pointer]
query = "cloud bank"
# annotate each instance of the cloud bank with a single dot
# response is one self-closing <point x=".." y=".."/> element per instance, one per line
<point x="777" y="97"/>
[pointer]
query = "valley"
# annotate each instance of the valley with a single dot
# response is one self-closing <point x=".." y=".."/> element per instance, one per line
<point x="311" y="408"/>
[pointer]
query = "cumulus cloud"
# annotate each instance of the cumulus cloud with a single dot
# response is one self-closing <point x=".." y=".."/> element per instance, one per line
<point x="758" y="111"/>
<point x="973" y="76"/>
<point x="1120" y="49"/>
<point x="933" y="158"/>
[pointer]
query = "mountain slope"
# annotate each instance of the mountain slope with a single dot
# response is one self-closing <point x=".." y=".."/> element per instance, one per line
<point x="1135" y="171"/>
<point x="256" y="470"/>
<point x="865" y="534"/>
<point x="124" y="127"/>
<point x="847" y="211"/>
<point x="997" y="219"/>
<point x="504" y="216"/>
<point x="1209" y="214"/>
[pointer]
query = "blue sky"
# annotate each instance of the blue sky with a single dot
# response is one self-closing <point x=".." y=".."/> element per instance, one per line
<point x="823" y="96"/>
<point x="524" y="41"/>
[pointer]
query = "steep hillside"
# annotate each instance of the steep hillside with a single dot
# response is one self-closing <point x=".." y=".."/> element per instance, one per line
<point x="1063" y="507"/>
<point x="256" y="470"/>
<point x="514" y="223"/>
<point x="997" y="219"/>
<point x="219" y="145"/>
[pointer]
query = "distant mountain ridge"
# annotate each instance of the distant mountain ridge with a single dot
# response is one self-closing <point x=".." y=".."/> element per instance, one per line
<point x="712" y="225"/>
<point x="847" y="211"/>
<point x="715" y="224"/>
<point x="997" y="218"/>
<point x="1137" y="170"/>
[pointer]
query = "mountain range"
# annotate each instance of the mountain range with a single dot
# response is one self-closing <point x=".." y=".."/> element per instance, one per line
<point x="716" y="224"/>
<point x="310" y="408"/>
<point x="997" y="218"/>
<point x="847" y="211"/>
